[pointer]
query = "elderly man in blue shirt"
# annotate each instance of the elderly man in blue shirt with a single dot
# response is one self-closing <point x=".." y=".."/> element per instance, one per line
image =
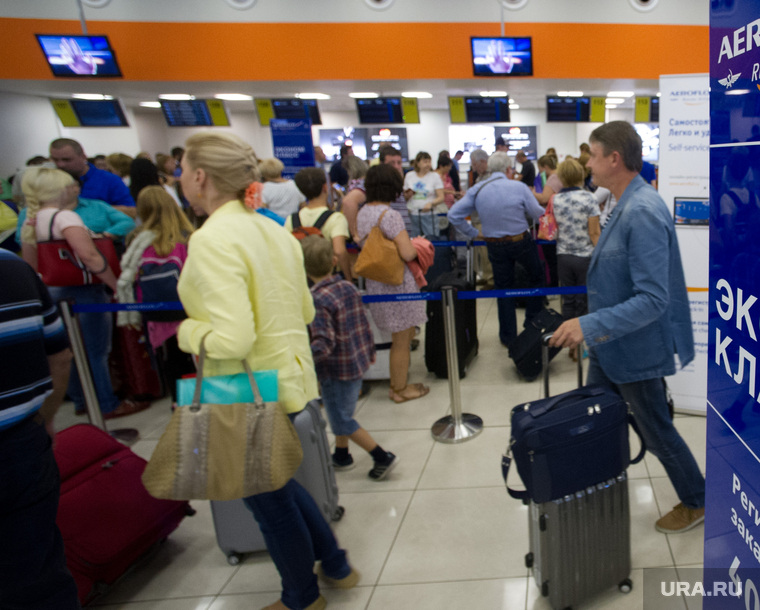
<point x="503" y="205"/>
<point x="639" y="315"/>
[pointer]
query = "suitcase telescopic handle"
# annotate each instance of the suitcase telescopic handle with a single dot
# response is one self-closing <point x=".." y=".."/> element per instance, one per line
<point x="545" y="363"/>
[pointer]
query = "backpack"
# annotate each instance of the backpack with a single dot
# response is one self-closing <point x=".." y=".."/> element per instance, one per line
<point x="157" y="279"/>
<point x="300" y="231"/>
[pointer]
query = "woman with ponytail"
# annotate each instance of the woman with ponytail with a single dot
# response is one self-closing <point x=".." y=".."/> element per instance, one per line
<point x="244" y="290"/>
<point x="47" y="192"/>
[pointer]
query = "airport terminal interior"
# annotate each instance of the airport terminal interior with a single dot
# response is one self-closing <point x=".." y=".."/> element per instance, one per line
<point x="440" y="532"/>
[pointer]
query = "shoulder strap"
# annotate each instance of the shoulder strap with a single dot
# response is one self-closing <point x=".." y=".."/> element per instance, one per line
<point x="295" y="220"/>
<point x="323" y="219"/>
<point x="50" y="227"/>
<point x="486" y="183"/>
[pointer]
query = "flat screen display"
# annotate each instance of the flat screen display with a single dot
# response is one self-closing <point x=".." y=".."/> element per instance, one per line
<point x="693" y="211"/>
<point x="486" y="109"/>
<point x="99" y="113"/>
<point x="386" y="110"/>
<point x="297" y="109"/>
<point x="186" y="113"/>
<point x="502" y="56"/>
<point x="568" y="109"/>
<point x="654" y="110"/>
<point x="79" y="56"/>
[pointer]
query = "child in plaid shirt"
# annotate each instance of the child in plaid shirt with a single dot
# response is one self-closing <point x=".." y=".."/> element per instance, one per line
<point x="343" y="349"/>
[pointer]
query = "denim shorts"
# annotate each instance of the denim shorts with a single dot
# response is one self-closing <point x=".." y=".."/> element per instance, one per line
<point x="339" y="397"/>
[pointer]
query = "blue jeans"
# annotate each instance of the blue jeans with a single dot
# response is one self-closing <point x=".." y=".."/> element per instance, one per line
<point x="297" y="535"/>
<point x="424" y="223"/>
<point x="503" y="256"/>
<point x="650" y="409"/>
<point x="33" y="571"/>
<point x="97" y="330"/>
<point x="340" y="397"/>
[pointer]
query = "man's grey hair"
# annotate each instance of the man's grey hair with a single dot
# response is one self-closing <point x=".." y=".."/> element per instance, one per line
<point x="478" y="155"/>
<point x="499" y="162"/>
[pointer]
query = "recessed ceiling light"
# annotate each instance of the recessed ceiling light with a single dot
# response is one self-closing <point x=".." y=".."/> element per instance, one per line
<point x="570" y="93"/>
<point x="620" y="94"/>
<point x="610" y="106"/>
<point x="615" y="100"/>
<point x="150" y="104"/>
<point x="312" y="96"/>
<point x="417" y="94"/>
<point x="361" y="95"/>
<point x="737" y="92"/>
<point x="514" y="106"/>
<point x="493" y="94"/>
<point x="91" y="96"/>
<point x="234" y="97"/>
<point x="658" y="94"/>
<point x="177" y="97"/>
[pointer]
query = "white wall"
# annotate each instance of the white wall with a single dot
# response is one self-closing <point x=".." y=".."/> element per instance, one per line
<point x="27" y="125"/>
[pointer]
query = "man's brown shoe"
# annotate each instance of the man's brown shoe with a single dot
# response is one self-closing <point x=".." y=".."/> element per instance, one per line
<point x="680" y="519"/>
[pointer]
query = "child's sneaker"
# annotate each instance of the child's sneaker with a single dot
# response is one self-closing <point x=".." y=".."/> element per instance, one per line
<point x="381" y="469"/>
<point x="343" y="462"/>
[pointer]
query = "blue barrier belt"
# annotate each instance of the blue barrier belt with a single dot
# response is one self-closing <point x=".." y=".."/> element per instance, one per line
<point x="367" y="298"/>
<point x="461" y="244"/>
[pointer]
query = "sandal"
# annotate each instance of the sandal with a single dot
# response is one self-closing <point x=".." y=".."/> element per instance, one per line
<point x="398" y="397"/>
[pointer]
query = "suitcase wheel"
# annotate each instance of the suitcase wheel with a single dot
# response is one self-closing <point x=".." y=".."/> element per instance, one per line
<point x="190" y="511"/>
<point x="234" y="559"/>
<point x="338" y="514"/>
<point x="626" y="586"/>
<point x="529" y="560"/>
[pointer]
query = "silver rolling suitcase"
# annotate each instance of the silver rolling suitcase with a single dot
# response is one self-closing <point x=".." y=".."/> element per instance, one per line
<point x="580" y="544"/>
<point x="237" y="532"/>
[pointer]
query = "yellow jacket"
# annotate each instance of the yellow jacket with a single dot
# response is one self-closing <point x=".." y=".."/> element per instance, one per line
<point x="244" y="283"/>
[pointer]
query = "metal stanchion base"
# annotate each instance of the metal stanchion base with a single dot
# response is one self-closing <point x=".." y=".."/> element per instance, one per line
<point x="128" y="436"/>
<point x="446" y="429"/>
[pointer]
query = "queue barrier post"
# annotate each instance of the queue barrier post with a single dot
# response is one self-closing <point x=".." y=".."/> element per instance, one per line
<point x="74" y="330"/>
<point x="456" y="427"/>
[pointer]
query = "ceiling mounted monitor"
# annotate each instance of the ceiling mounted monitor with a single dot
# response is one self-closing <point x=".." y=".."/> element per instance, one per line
<point x="297" y="109"/>
<point x="568" y="109"/>
<point x="502" y="56"/>
<point x="79" y="56"/>
<point x="387" y="110"/>
<point x="195" y="113"/>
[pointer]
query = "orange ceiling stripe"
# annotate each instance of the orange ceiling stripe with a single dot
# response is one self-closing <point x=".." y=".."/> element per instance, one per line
<point x="317" y="51"/>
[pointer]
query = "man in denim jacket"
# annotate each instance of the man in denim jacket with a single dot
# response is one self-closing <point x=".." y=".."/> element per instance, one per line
<point x="639" y="312"/>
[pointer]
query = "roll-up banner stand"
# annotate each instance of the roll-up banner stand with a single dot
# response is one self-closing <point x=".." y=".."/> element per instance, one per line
<point x="683" y="182"/>
<point x="732" y="525"/>
<point x="293" y="145"/>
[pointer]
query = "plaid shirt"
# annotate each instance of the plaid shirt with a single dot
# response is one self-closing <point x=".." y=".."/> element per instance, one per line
<point x="341" y="339"/>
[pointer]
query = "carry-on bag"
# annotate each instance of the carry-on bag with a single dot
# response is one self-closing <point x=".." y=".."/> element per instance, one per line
<point x="466" y="327"/>
<point x="237" y="532"/>
<point x="133" y="373"/>
<point x="525" y="349"/>
<point x="106" y="517"/>
<point x="579" y="537"/>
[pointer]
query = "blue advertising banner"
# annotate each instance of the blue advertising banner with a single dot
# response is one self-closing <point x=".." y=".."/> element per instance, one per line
<point x="293" y="144"/>
<point x="732" y="523"/>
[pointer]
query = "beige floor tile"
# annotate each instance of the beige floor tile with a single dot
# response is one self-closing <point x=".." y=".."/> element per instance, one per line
<point x="354" y="599"/>
<point x="474" y="463"/>
<point x="187" y="603"/>
<point x="380" y="413"/>
<point x="692" y="429"/>
<point x="649" y="548"/>
<point x="497" y="594"/>
<point x="687" y="547"/>
<point x="412" y="448"/>
<point x="604" y="600"/>
<point x="461" y="534"/>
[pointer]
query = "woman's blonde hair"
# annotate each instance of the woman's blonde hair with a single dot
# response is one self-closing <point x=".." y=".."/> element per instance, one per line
<point x="355" y="167"/>
<point x="227" y="160"/>
<point x="120" y="163"/>
<point x="161" y="160"/>
<point x="570" y="172"/>
<point x="41" y="185"/>
<point x="549" y="161"/>
<point x="271" y="168"/>
<point x="161" y="214"/>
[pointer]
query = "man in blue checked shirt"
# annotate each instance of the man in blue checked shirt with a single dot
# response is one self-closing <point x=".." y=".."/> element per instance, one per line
<point x="503" y="205"/>
<point x="35" y="371"/>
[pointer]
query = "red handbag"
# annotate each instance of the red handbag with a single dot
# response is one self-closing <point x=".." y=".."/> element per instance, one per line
<point x="59" y="265"/>
<point x="547" y="224"/>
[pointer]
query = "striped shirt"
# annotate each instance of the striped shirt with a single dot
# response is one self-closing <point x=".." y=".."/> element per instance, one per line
<point x="30" y="330"/>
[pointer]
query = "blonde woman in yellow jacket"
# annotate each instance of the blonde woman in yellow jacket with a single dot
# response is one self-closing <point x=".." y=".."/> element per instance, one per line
<point x="244" y="289"/>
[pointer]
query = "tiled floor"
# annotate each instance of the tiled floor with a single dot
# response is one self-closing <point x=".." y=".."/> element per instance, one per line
<point x="439" y="533"/>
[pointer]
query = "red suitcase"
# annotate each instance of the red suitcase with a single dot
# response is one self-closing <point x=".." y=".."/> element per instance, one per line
<point x="132" y="372"/>
<point x="106" y="517"/>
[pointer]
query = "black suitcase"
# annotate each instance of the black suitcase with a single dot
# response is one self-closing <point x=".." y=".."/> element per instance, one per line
<point x="444" y="261"/>
<point x="525" y="349"/>
<point x="466" y="320"/>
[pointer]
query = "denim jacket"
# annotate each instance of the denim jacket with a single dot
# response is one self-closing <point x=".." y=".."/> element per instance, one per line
<point x="639" y="308"/>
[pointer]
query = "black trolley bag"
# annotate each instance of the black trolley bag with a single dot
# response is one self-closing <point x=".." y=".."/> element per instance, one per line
<point x="525" y="348"/>
<point x="572" y="453"/>
<point x="466" y="327"/>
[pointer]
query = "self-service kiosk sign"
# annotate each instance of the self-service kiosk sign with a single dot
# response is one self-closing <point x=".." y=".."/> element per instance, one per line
<point x="732" y="524"/>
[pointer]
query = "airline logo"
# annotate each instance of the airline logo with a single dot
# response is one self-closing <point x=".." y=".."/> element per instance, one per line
<point x="729" y="81"/>
<point x="743" y="40"/>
